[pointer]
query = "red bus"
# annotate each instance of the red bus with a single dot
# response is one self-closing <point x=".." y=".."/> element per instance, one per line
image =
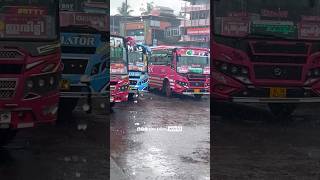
<point x="29" y="64"/>
<point x="119" y="80"/>
<point x="180" y="70"/>
<point x="266" y="52"/>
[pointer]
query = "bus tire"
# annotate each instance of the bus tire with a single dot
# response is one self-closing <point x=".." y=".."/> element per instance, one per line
<point x="166" y="88"/>
<point x="6" y="136"/>
<point x="198" y="96"/>
<point x="282" y="111"/>
<point x="66" y="107"/>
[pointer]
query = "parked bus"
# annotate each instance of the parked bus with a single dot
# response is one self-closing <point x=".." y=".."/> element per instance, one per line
<point x="30" y="65"/>
<point x="84" y="45"/>
<point x="180" y="70"/>
<point x="119" y="82"/>
<point x="138" y="68"/>
<point x="266" y="52"/>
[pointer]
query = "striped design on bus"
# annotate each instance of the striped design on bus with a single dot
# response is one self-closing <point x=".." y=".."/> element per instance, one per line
<point x="158" y="81"/>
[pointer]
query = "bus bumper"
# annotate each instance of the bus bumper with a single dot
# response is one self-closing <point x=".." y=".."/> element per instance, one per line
<point x="193" y="93"/>
<point x="29" y="113"/>
<point x="228" y="89"/>
<point x="275" y="100"/>
<point x="119" y="98"/>
<point x="88" y="98"/>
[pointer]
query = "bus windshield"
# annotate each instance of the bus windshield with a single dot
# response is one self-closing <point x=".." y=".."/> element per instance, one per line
<point x="118" y="56"/>
<point x="136" y="61"/>
<point x="272" y="19"/>
<point x="28" y="19"/>
<point x="138" y="57"/>
<point x="135" y="58"/>
<point x="193" y="64"/>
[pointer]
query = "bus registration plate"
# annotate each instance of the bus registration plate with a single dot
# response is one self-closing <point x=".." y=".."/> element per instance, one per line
<point x="278" y="92"/>
<point x="196" y="91"/>
<point x="64" y="85"/>
<point x="5" y="117"/>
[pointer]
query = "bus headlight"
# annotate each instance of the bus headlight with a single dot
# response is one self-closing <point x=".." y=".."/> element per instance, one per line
<point x="244" y="71"/>
<point x="51" y="81"/>
<point x="124" y="88"/>
<point x="232" y="69"/>
<point x="224" y="67"/>
<point x="30" y="84"/>
<point x="183" y="84"/>
<point x="41" y="83"/>
<point x="314" y="73"/>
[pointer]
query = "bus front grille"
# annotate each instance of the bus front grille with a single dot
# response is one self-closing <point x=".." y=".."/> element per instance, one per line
<point x="10" y="54"/>
<point x="278" y="72"/>
<point x="7" y="88"/>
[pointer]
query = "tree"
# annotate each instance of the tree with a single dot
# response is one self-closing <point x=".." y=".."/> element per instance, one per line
<point x="124" y="10"/>
<point x="149" y="9"/>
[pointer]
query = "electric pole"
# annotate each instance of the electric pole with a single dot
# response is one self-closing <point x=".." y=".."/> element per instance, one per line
<point x="125" y="20"/>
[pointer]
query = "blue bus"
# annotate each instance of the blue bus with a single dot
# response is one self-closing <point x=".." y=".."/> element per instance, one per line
<point x="85" y="61"/>
<point x="138" y="56"/>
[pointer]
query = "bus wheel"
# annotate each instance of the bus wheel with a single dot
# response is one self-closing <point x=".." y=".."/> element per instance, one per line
<point x="66" y="106"/>
<point x="282" y="111"/>
<point x="198" y="96"/>
<point x="166" y="88"/>
<point x="6" y="136"/>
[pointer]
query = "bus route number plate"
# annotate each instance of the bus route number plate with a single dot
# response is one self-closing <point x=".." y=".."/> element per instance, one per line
<point x="278" y="92"/>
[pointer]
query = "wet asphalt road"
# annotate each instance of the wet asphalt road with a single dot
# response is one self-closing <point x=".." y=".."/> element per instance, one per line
<point x="143" y="148"/>
<point x="249" y="144"/>
<point x="58" y="152"/>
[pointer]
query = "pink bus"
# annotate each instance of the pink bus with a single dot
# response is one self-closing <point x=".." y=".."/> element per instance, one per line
<point x="29" y="65"/>
<point x="266" y="52"/>
<point x="119" y="78"/>
<point x="180" y="70"/>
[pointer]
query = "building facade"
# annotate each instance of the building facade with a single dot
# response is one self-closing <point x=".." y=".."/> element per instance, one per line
<point x="195" y="27"/>
<point x="150" y="29"/>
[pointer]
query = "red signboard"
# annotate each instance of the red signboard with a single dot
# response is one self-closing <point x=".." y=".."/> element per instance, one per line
<point x="235" y="26"/>
<point x="26" y="10"/>
<point x="198" y="31"/>
<point x="26" y="22"/>
<point x="97" y="21"/>
<point x="309" y="30"/>
<point x="117" y="68"/>
<point x="23" y="26"/>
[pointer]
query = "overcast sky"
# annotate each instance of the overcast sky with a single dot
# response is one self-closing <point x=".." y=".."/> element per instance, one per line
<point x="137" y="4"/>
